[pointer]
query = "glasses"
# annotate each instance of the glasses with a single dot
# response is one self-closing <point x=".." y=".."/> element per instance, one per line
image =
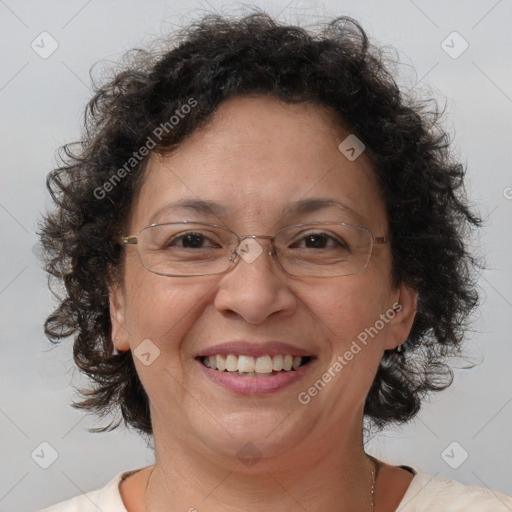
<point x="186" y="249"/>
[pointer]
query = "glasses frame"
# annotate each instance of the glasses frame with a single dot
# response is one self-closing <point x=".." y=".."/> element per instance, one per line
<point x="234" y="258"/>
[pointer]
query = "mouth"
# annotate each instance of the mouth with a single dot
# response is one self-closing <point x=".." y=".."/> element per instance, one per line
<point x="254" y="375"/>
<point x="254" y="368"/>
<point x="251" y="367"/>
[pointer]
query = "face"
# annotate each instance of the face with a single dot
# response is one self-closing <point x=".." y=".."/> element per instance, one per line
<point x="255" y="159"/>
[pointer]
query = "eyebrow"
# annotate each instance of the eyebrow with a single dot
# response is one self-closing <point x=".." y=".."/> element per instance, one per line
<point x="205" y="207"/>
<point x="300" y="207"/>
<point x="314" y="204"/>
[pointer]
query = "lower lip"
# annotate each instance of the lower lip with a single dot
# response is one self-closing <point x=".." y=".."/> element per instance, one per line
<point x="255" y="385"/>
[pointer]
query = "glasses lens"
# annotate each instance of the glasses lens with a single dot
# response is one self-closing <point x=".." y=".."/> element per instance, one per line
<point x="186" y="249"/>
<point x="324" y="250"/>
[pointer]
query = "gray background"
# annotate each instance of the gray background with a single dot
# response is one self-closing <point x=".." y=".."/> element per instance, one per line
<point x="41" y="102"/>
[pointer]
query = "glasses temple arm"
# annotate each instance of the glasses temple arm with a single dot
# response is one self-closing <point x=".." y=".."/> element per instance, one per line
<point x="129" y="240"/>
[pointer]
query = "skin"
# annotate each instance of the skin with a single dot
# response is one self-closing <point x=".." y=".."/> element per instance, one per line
<point x="254" y="157"/>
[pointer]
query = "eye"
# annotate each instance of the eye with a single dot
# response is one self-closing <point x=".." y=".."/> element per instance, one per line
<point x="319" y="241"/>
<point x="191" y="240"/>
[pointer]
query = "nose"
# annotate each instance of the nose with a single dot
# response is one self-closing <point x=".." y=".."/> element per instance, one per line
<point x="256" y="287"/>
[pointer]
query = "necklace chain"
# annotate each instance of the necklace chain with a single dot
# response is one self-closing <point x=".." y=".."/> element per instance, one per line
<point x="375" y="469"/>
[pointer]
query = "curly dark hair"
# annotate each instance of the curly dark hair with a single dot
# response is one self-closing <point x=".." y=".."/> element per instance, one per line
<point x="218" y="58"/>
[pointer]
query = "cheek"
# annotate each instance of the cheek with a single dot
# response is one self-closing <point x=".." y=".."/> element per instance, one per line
<point x="162" y="309"/>
<point x="349" y="306"/>
<point x="161" y="312"/>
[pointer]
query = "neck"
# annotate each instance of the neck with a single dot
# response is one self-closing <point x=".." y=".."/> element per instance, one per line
<point x="327" y="475"/>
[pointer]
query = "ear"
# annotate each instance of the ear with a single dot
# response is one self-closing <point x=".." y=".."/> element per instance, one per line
<point x="400" y="324"/>
<point x="118" y="318"/>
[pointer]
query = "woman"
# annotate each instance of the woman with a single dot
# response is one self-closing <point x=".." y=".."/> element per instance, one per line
<point x="253" y="235"/>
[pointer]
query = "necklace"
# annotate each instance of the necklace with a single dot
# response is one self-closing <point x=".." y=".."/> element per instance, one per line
<point x="375" y="470"/>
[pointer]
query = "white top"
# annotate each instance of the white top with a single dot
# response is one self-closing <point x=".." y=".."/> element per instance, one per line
<point x="426" y="493"/>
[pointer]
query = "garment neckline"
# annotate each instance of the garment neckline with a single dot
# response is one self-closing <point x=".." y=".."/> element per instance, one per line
<point x="124" y="475"/>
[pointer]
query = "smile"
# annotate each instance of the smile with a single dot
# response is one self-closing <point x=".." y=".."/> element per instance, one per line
<point x="254" y="376"/>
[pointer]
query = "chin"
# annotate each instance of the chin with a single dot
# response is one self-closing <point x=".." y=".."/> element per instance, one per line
<point x="252" y="436"/>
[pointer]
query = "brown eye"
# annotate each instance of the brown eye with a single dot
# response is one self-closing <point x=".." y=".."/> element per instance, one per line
<point x="189" y="240"/>
<point x="319" y="241"/>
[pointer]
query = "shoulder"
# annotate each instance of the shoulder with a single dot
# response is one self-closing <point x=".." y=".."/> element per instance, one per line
<point x="106" y="499"/>
<point x="431" y="492"/>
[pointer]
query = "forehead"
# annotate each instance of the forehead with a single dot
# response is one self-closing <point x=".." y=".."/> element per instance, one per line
<point x="254" y="160"/>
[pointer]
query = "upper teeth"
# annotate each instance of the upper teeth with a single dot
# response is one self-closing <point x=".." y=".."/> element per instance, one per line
<point x="248" y="364"/>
